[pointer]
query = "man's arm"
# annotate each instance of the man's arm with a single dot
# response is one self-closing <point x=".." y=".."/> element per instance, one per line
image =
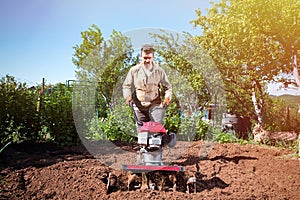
<point x="127" y="87"/>
<point x="168" y="89"/>
<point x="167" y="86"/>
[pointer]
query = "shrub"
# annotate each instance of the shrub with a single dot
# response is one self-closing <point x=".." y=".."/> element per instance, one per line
<point x="56" y="115"/>
<point x="280" y="117"/>
<point x="19" y="120"/>
<point x="112" y="130"/>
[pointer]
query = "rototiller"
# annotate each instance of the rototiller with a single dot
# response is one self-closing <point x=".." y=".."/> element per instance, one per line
<point x="152" y="139"/>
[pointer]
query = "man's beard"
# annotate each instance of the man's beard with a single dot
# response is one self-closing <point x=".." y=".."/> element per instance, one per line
<point x="148" y="65"/>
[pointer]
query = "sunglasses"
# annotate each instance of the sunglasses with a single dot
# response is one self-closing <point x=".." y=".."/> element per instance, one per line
<point x="146" y="58"/>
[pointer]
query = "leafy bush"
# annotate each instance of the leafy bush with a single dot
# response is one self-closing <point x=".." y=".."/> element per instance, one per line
<point x="171" y="119"/>
<point x="188" y="127"/>
<point x="19" y="119"/>
<point x="56" y="115"/>
<point x="221" y="137"/>
<point x="112" y="130"/>
<point x="280" y="117"/>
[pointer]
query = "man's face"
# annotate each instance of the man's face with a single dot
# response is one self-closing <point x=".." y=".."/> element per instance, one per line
<point x="147" y="58"/>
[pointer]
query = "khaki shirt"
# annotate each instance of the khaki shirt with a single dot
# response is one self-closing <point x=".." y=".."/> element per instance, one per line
<point x="146" y="86"/>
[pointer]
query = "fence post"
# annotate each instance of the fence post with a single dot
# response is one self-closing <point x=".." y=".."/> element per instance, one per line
<point x="41" y="92"/>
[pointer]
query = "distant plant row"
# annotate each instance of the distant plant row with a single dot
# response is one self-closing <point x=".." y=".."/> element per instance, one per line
<point x="36" y="115"/>
<point x="30" y="114"/>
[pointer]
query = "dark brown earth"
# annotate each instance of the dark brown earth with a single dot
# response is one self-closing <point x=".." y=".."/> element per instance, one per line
<point x="227" y="171"/>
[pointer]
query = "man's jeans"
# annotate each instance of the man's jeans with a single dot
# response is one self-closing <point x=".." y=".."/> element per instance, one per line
<point x="152" y="113"/>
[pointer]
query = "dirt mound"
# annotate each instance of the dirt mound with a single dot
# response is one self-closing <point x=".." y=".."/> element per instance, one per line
<point x="226" y="171"/>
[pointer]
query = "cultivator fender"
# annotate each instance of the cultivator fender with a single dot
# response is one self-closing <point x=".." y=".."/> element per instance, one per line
<point x="149" y="168"/>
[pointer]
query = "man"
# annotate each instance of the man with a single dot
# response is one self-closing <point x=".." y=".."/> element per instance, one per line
<point x="142" y="86"/>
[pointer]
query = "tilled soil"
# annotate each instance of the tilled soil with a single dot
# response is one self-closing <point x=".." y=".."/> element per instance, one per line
<point x="226" y="171"/>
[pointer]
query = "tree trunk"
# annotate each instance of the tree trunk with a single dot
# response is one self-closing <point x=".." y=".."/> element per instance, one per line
<point x="257" y="102"/>
<point x="297" y="79"/>
<point x="295" y="68"/>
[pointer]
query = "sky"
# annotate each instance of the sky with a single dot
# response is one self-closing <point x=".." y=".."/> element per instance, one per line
<point x="37" y="36"/>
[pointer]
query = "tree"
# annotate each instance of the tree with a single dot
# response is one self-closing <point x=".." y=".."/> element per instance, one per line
<point x="238" y="36"/>
<point x="280" y="20"/>
<point x="101" y="65"/>
<point x="195" y="80"/>
<point x="92" y="39"/>
<point x="189" y="61"/>
<point x="102" y="62"/>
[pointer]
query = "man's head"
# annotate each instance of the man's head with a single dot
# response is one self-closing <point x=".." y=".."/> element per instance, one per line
<point x="147" y="54"/>
<point x="147" y="48"/>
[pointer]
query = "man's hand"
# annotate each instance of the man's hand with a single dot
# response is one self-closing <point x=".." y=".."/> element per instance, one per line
<point x="166" y="102"/>
<point x="128" y="100"/>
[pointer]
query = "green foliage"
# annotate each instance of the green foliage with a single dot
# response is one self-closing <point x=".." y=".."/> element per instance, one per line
<point x="184" y="65"/>
<point x="95" y="131"/>
<point x="291" y="101"/>
<point x="195" y="80"/>
<point x="56" y="114"/>
<point x="225" y="138"/>
<point x="171" y="119"/>
<point x="251" y="42"/>
<point x="279" y="116"/>
<point x="19" y="119"/>
<point x="190" y="128"/>
<point x="221" y="137"/>
<point x="118" y="125"/>
<point x="27" y="115"/>
<point x="91" y="41"/>
<point x="250" y="45"/>
<point x="202" y="132"/>
<point x="103" y="62"/>
<point x="113" y="131"/>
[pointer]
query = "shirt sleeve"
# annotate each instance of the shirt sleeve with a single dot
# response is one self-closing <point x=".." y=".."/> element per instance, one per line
<point x="166" y="85"/>
<point x="127" y="85"/>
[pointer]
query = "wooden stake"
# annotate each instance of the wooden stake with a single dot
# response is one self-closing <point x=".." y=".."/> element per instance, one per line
<point x="40" y="98"/>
